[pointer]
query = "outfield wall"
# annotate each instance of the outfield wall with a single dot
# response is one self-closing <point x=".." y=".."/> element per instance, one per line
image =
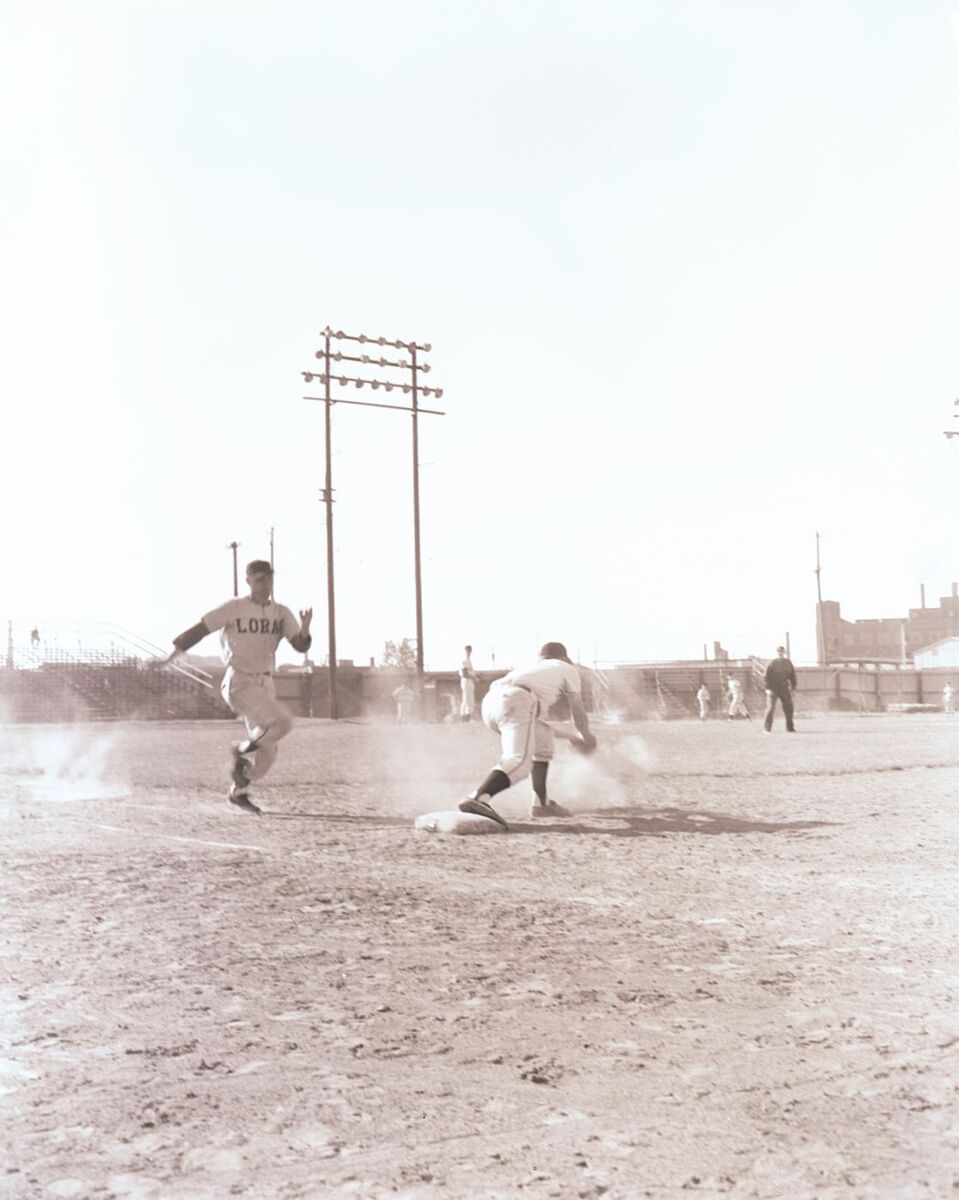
<point x="128" y="690"/>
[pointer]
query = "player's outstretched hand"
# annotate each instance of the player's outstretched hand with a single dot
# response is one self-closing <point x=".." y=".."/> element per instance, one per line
<point x="306" y="616"/>
<point x="584" y="744"/>
<point x="156" y="664"/>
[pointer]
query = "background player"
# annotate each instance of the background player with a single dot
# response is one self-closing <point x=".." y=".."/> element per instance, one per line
<point x="251" y="628"/>
<point x="517" y="708"/>
<point x="467" y="686"/>
<point x="404" y="697"/>
<point x="737" y="705"/>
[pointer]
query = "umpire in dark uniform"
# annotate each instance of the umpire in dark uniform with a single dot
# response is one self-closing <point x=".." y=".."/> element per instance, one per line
<point x="780" y="683"/>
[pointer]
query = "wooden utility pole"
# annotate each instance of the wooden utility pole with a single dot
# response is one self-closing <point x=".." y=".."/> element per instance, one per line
<point x="234" y="546"/>
<point x="408" y="385"/>
<point x="820" y="627"/>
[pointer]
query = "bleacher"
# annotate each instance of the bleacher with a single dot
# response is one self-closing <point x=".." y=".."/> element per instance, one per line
<point x="97" y="672"/>
<point x="100" y="672"/>
<point x="667" y="690"/>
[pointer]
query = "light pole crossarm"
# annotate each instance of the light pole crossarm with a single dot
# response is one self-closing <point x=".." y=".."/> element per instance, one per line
<point x="372" y="404"/>
<point x="364" y="339"/>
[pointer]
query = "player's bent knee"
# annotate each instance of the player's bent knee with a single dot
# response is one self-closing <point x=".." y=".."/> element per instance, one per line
<point x="515" y="768"/>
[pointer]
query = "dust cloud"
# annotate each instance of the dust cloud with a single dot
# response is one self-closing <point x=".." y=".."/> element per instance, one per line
<point x="60" y="764"/>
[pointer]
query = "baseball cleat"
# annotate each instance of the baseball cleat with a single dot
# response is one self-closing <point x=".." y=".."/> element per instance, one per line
<point x="549" y="810"/>
<point x="480" y="808"/>
<point x="240" y="772"/>
<point x="242" y="800"/>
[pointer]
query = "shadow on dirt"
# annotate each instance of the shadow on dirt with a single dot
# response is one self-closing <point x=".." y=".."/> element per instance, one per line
<point x="665" y="820"/>
<point x="365" y="819"/>
<point x="612" y="822"/>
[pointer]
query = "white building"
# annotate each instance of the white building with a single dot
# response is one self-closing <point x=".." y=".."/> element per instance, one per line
<point x="944" y="653"/>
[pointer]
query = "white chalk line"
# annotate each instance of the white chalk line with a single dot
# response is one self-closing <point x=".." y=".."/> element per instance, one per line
<point x="170" y="837"/>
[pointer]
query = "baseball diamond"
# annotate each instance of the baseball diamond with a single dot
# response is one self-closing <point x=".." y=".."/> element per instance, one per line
<point x="713" y="978"/>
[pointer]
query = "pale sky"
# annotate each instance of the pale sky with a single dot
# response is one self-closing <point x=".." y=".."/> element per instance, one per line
<point x="688" y="271"/>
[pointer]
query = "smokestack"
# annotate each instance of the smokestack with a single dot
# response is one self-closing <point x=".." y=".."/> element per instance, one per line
<point x="955" y="590"/>
<point x="922" y="595"/>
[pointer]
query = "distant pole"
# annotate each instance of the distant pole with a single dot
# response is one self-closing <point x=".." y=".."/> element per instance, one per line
<point x="10" y="645"/>
<point x="820" y="627"/>
<point x="236" y="582"/>
<point x="328" y="497"/>
<point x="271" y="547"/>
<point x="417" y="573"/>
<point x="788" y="648"/>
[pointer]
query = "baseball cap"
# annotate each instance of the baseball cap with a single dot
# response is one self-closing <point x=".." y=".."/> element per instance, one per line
<point x="258" y="567"/>
<point x="782" y="648"/>
<point x="555" y="650"/>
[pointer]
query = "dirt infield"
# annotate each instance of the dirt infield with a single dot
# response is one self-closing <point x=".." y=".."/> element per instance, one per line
<point x="733" y="973"/>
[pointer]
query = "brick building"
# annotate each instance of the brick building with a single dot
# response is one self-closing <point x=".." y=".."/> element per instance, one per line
<point x="885" y="639"/>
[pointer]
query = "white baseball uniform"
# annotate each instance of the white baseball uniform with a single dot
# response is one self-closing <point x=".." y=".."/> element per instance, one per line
<point x="404" y="697"/>
<point x="249" y="636"/>
<point x="467" y="687"/>
<point x="517" y="708"/>
<point x="737" y="706"/>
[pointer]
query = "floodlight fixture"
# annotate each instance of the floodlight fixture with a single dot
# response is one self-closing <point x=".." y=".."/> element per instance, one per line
<point x="398" y="343"/>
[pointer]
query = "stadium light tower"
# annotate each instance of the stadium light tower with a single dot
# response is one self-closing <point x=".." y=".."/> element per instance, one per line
<point x="407" y="382"/>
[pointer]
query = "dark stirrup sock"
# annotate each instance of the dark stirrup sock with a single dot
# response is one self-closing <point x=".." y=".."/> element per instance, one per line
<point x="495" y="781"/>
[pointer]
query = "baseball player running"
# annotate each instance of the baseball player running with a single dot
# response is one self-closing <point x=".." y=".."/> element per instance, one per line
<point x="250" y="631"/>
<point x="517" y="708"/>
